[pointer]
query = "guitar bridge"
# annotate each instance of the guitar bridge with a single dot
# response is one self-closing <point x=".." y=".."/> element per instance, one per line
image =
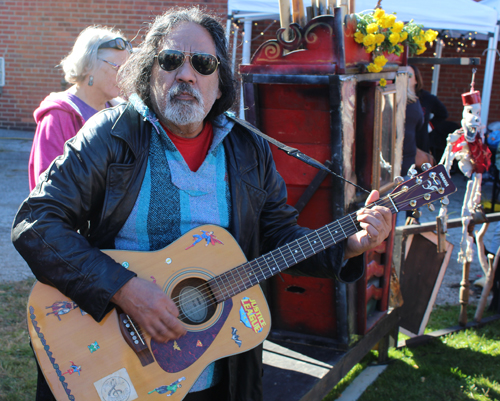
<point x="133" y="337"/>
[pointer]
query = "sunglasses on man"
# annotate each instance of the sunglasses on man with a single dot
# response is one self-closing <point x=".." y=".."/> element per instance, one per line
<point x="117" y="43"/>
<point x="202" y="63"/>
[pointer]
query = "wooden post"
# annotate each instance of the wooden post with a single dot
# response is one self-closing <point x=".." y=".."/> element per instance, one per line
<point x="352" y="7"/>
<point x="481" y="253"/>
<point x="285" y="17"/>
<point x="441" y="234"/>
<point x="490" y="276"/>
<point x="344" y="5"/>
<point x="321" y="6"/>
<point x="464" y="284"/>
<point x="298" y="13"/>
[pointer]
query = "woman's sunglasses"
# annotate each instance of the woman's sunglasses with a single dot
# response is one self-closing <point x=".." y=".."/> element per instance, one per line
<point x="203" y="63"/>
<point x="117" y="43"/>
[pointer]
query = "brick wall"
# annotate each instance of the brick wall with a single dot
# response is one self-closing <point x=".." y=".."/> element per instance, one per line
<point x="455" y="79"/>
<point x="36" y="34"/>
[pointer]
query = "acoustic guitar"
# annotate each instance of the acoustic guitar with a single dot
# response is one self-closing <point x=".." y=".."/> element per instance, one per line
<point x="215" y="288"/>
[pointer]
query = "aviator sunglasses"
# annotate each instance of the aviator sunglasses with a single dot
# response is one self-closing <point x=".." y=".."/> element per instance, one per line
<point x="117" y="43"/>
<point x="202" y="63"/>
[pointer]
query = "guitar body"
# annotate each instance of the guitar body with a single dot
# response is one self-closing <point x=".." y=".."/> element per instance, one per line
<point x="224" y="311"/>
<point x="85" y="360"/>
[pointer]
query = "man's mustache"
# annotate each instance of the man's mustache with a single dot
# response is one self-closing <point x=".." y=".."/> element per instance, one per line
<point x="183" y="88"/>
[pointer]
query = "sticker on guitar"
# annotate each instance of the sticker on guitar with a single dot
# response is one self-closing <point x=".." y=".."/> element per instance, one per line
<point x="116" y="387"/>
<point x="208" y="236"/>
<point x="250" y="315"/>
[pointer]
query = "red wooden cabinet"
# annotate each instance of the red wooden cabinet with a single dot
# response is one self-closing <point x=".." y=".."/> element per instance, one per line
<point x="311" y="94"/>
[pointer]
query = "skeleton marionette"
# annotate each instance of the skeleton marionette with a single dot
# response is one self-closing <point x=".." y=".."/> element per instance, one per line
<point x="466" y="145"/>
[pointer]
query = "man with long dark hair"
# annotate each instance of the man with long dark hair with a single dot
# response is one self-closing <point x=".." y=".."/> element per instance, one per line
<point x="140" y="175"/>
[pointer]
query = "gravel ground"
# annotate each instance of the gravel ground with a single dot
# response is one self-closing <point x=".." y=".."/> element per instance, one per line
<point x="15" y="148"/>
<point x="14" y="156"/>
<point x="450" y="286"/>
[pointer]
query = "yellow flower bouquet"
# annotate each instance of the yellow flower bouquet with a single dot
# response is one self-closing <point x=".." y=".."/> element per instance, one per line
<point x="380" y="33"/>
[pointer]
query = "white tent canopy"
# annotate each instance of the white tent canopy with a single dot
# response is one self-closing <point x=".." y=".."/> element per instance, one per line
<point x="463" y="15"/>
<point x="453" y="15"/>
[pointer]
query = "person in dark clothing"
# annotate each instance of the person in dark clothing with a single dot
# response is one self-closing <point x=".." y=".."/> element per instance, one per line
<point x="435" y="113"/>
<point x="414" y="124"/>
<point x="143" y="174"/>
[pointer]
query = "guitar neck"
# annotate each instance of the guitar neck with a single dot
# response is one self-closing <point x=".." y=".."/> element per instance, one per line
<point x="245" y="276"/>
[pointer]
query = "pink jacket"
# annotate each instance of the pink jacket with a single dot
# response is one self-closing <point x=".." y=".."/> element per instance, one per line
<point x="58" y="119"/>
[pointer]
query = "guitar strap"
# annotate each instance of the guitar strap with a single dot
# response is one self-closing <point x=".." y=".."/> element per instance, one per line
<point x="289" y="150"/>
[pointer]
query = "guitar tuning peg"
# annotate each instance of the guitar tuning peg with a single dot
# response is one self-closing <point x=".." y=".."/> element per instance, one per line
<point x="431" y="207"/>
<point x="398" y="180"/>
<point x="412" y="172"/>
<point x="426" y="166"/>
<point x="445" y="201"/>
<point x="417" y="213"/>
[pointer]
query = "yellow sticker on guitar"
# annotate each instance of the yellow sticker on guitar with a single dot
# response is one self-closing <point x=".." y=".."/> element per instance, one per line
<point x="250" y="315"/>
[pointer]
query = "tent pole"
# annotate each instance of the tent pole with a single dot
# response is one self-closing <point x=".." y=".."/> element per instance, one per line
<point x="235" y="44"/>
<point x="437" y="68"/>
<point x="228" y="28"/>
<point x="488" y="75"/>
<point x="245" y="57"/>
<point x="247" y="40"/>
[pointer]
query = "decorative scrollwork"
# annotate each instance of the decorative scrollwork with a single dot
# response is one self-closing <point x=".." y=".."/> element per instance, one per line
<point x="312" y="37"/>
<point x="272" y="50"/>
<point x="293" y="44"/>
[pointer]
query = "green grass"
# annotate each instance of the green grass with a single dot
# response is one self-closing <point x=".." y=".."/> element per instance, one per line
<point x="17" y="364"/>
<point x="460" y="366"/>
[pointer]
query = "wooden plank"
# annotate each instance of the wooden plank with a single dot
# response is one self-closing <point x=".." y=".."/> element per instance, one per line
<point x="346" y="363"/>
<point x="298" y="127"/>
<point x="420" y="280"/>
<point x="285" y="16"/>
<point x="294" y="97"/>
<point x="445" y="60"/>
<point x="452" y="223"/>
<point x="311" y="189"/>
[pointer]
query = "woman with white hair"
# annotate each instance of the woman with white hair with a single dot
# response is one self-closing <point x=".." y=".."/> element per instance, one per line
<point x="91" y="67"/>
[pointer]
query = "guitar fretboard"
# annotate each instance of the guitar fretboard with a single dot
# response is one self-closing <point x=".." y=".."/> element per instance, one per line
<point x="245" y="276"/>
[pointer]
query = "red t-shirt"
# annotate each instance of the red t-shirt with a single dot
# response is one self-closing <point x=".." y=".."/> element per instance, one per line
<point x="194" y="150"/>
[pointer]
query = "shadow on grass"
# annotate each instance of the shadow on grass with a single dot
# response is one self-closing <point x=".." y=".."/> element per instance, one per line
<point x="438" y="371"/>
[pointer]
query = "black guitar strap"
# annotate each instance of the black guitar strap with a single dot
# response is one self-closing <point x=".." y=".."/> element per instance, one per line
<point x="290" y="151"/>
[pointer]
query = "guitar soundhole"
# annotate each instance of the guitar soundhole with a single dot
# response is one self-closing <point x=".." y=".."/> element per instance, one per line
<point x="194" y="300"/>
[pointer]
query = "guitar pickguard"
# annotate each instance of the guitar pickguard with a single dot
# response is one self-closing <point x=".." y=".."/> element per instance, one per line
<point x="175" y="356"/>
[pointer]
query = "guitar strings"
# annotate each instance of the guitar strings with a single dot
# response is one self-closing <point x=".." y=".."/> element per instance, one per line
<point x="232" y="281"/>
<point x="231" y="285"/>
<point x="204" y="289"/>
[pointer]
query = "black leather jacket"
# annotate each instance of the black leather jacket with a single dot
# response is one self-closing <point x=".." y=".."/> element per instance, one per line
<point x="85" y="197"/>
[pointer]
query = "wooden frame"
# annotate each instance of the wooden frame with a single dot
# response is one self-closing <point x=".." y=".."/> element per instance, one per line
<point x="419" y="278"/>
<point x="384" y="138"/>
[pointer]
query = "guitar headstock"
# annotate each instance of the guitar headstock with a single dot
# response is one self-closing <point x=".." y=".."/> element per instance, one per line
<point x="425" y="188"/>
